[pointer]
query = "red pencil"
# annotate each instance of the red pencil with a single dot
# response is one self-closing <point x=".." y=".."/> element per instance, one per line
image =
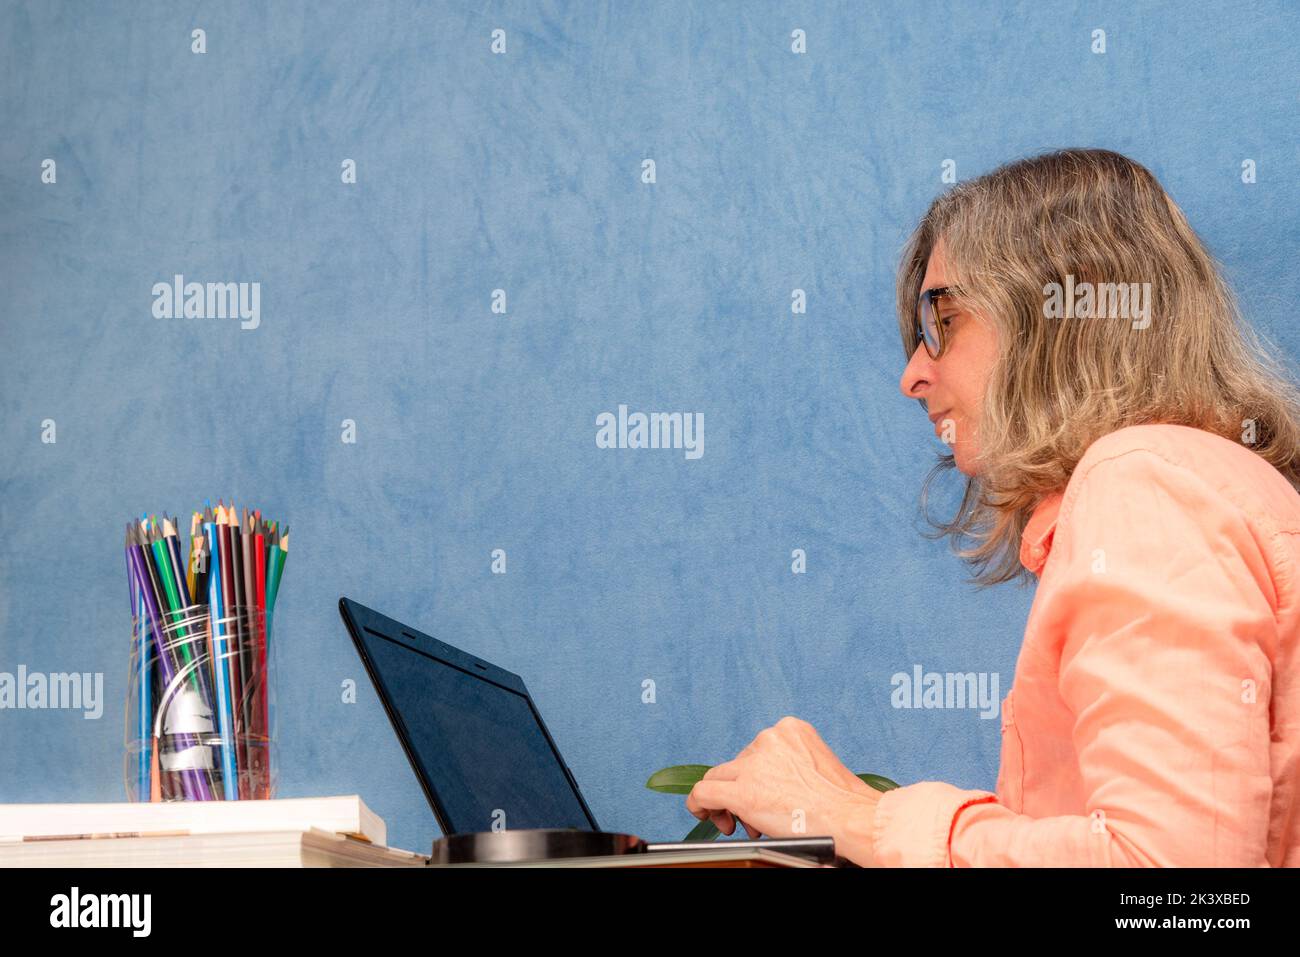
<point x="230" y="613"/>
<point x="259" y="591"/>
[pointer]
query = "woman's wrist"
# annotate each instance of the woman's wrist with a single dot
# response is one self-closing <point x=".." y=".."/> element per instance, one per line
<point x="856" y="827"/>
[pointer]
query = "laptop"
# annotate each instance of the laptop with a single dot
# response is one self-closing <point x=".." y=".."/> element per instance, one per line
<point x="477" y="742"/>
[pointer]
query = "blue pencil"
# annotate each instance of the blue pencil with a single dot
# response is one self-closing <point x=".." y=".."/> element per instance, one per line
<point x="225" y="713"/>
<point x="144" y="718"/>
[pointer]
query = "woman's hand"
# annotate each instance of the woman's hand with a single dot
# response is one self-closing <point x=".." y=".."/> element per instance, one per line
<point x="788" y="783"/>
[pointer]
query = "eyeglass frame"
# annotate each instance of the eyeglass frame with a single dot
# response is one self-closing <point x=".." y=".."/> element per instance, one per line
<point x="926" y="301"/>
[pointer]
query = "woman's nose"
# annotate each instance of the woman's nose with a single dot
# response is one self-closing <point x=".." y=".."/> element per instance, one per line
<point x="918" y="375"/>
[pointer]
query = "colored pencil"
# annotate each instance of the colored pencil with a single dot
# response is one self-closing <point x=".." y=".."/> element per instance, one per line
<point x="195" y="671"/>
<point x="275" y="565"/>
<point x="230" y="616"/>
<point x="238" y="612"/>
<point x="188" y="627"/>
<point x="180" y="631"/>
<point x="144" y="666"/>
<point x="192" y="781"/>
<point x="263" y="728"/>
<point x="249" y="650"/>
<point x="221" y="669"/>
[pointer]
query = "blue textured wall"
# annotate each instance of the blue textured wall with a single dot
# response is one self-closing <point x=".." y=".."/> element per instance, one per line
<point x="475" y="430"/>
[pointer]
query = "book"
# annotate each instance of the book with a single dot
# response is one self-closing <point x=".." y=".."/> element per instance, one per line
<point x="346" y="814"/>
<point x="270" y="848"/>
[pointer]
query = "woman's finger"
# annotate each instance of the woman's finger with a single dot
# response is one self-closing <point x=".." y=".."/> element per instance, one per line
<point x="714" y="797"/>
<point x="726" y="771"/>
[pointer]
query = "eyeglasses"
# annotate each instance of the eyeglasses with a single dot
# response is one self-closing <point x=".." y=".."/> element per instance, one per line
<point x="929" y="327"/>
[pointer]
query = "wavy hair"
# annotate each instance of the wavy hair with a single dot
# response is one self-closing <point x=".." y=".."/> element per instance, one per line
<point x="1060" y="384"/>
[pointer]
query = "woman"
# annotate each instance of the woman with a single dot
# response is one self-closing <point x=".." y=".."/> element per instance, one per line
<point x="1143" y="463"/>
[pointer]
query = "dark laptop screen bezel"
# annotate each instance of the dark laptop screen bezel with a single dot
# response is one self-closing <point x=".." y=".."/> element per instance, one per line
<point x="364" y="624"/>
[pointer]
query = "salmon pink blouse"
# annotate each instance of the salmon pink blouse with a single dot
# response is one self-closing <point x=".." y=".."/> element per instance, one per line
<point x="1154" y="717"/>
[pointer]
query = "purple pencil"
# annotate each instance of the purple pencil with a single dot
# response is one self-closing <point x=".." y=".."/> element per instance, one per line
<point x="192" y="779"/>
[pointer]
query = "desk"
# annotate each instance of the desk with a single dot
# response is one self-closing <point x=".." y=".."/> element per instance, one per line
<point x="711" y="857"/>
<point x="317" y="848"/>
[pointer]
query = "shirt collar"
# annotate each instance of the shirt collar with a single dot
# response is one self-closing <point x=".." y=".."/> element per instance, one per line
<point x="1036" y="540"/>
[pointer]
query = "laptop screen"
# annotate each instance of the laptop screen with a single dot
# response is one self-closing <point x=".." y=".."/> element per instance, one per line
<point x="480" y="746"/>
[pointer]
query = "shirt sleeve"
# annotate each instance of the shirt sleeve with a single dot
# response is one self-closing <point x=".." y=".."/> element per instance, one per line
<point x="1158" y="594"/>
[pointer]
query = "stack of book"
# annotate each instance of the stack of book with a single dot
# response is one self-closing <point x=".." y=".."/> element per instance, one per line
<point x="293" y="832"/>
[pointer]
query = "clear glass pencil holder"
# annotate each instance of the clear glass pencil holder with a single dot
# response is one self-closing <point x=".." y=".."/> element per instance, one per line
<point x="200" y="707"/>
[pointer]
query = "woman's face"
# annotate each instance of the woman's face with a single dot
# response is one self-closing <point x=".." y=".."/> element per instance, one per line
<point x="953" y="385"/>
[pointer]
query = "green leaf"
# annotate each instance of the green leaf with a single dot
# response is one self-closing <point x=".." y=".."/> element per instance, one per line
<point x="678" y="779"/>
<point x="878" y="782"/>
<point x="706" y="830"/>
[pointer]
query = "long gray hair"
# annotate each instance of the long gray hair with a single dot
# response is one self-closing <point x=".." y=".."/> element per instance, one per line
<point x="1071" y="217"/>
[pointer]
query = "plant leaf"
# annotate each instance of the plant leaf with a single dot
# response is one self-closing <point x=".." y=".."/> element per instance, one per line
<point x="681" y="778"/>
<point x="706" y="830"/>
<point x="678" y="779"/>
<point x="878" y="782"/>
